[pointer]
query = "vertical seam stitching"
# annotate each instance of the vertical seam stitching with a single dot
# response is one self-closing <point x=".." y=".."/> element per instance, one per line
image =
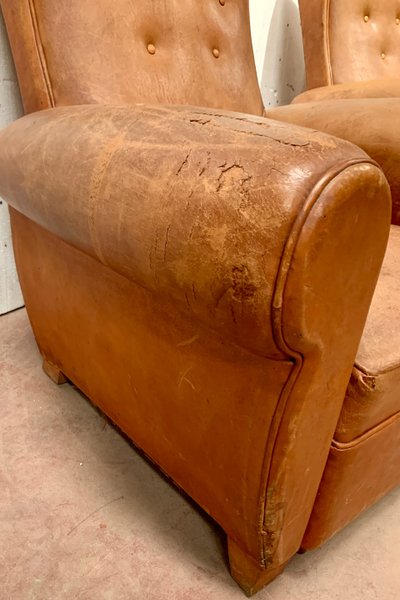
<point x="41" y="53"/>
<point x="327" y="40"/>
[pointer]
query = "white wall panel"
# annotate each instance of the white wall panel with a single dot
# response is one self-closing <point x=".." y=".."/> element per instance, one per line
<point x="10" y="109"/>
<point x="278" y="49"/>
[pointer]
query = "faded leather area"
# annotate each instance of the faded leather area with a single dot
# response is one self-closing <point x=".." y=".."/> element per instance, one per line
<point x="373" y="394"/>
<point x="189" y="203"/>
<point x="357" y="120"/>
<point x="84" y="51"/>
<point x="350" y="40"/>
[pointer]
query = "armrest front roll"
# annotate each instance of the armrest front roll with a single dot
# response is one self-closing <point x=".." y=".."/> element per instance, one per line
<point x="195" y="204"/>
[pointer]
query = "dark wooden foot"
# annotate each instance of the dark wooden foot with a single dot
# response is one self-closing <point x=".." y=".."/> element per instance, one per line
<point x="54" y="372"/>
<point x="247" y="572"/>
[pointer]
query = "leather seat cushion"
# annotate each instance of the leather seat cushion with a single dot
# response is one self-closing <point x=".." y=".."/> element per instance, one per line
<point x="373" y="394"/>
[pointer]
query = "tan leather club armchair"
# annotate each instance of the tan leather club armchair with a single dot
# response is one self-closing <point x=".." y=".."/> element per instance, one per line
<point x="352" y="52"/>
<point x="202" y="275"/>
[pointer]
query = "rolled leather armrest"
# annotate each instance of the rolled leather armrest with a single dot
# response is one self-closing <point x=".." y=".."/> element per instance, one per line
<point x="373" y="124"/>
<point x="374" y="88"/>
<point x="200" y="205"/>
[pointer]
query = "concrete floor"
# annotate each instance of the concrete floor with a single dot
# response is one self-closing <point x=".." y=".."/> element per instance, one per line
<point x="83" y="516"/>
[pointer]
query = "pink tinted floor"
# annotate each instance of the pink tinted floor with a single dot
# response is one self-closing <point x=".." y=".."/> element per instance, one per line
<point x="83" y="516"/>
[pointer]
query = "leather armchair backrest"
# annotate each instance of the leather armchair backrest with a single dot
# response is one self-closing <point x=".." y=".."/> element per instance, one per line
<point x="350" y="40"/>
<point x="195" y="52"/>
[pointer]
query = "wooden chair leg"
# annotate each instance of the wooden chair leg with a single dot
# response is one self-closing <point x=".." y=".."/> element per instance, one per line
<point x="53" y="372"/>
<point x="247" y="572"/>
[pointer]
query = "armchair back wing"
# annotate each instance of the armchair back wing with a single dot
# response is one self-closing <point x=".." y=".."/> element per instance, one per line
<point x="350" y="40"/>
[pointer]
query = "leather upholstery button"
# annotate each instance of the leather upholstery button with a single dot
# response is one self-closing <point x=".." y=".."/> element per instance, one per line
<point x="366" y="18"/>
<point x="151" y="49"/>
<point x="397" y="21"/>
<point x="383" y="56"/>
<point x="216" y="52"/>
<point x="222" y="2"/>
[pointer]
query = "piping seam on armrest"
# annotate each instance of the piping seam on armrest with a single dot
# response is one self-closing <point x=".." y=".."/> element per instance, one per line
<point x="277" y="330"/>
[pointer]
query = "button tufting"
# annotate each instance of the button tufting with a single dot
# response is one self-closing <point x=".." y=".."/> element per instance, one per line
<point x="151" y="49"/>
<point x="366" y="18"/>
<point x="383" y="56"/>
<point x="222" y="2"/>
<point x="216" y="52"/>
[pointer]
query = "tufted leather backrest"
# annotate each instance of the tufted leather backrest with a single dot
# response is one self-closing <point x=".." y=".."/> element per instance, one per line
<point x="350" y="40"/>
<point x="195" y="52"/>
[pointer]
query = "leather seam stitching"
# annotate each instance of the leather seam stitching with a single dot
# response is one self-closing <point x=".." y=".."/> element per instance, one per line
<point x="343" y="446"/>
<point x="41" y="53"/>
<point x="377" y="373"/>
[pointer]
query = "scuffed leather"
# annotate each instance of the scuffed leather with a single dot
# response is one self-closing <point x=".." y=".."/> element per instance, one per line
<point x="209" y="230"/>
